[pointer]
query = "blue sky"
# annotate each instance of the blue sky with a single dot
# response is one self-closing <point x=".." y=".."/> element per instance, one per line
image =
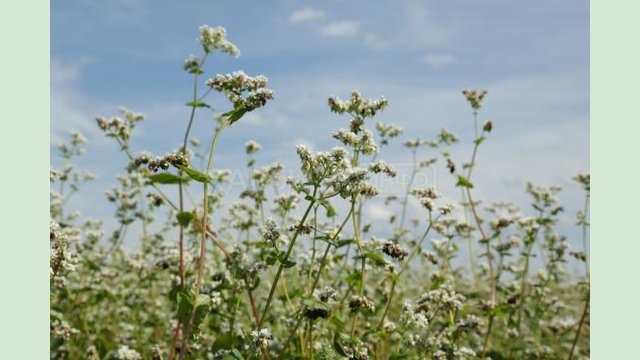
<point x="533" y="57"/>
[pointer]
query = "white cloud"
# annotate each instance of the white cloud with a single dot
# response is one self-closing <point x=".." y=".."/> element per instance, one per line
<point x="438" y="60"/>
<point x="374" y="42"/>
<point x="306" y="15"/>
<point x="344" y="28"/>
<point x="66" y="109"/>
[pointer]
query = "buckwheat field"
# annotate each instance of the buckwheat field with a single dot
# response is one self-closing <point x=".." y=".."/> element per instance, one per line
<point x="291" y="266"/>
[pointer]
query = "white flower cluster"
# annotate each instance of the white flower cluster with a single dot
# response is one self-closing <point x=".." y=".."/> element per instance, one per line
<point x="412" y="318"/>
<point x="114" y="127"/>
<point x="327" y="294"/>
<point x="446" y="209"/>
<point x="546" y="196"/>
<point x="585" y="180"/>
<point x="364" y="143"/>
<point x="442" y="297"/>
<point x="321" y="165"/>
<point x="61" y="259"/>
<point x="126" y="353"/>
<point x="427" y="196"/>
<point x="176" y="158"/>
<point x="252" y="147"/>
<point x="267" y="173"/>
<point x="469" y="322"/>
<point x="216" y="299"/>
<point x="285" y="202"/>
<point x="361" y="303"/>
<point x="474" y="97"/>
<point x="416" y="143"/>
<point x="119" y="128"/>
<point x="357" y="105"/>
<point x="271" y="233"/>
<point x="389" y="326"/>
<point x="463" y="353"/>
<point x="512" y="242"/>
<point x="62" y="330"/>
<point x="352" y="182"/>
<point x="237" y="81"/>
<point x="260" y="339"/>
<point x="388" y="131"/>
<point x="216" y="38"/>
<point x="236" y="84"/>
<point x="447" y="137"/>
<point x="192" y="65"/>
<point x="394" y="250"/>
<point x="529" y="224"/>
<point x="78" y="139"/>
<point x="382" y="167"/>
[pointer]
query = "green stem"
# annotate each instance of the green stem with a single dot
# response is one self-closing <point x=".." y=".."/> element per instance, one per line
<point x="317" y="277"/>
<point x="203" y="239"/>
<point x="406" y="194"/>
<point x="405" y="266"/>
<point x="582" y="319"/>
<point x="286" y="258"/>
<point x="584" y="233"/>
<point x="356" y="231"/>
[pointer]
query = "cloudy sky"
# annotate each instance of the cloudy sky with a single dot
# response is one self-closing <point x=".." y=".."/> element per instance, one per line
<point x="533" y="57"/>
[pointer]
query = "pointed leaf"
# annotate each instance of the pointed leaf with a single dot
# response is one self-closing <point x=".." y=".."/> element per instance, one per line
<point x="464" y="182"/>
<point x="167" y="178"/>
<point x="195" y="174"/>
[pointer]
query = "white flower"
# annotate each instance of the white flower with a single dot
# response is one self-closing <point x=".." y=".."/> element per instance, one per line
<point x="237" y="84"/>
<point x="216" y="38"/>
<point x="271" y="234"/>
<point x="126" y="353"/>
<point x="389" y="326"/>
<point x="260" y="339"/>
<point x="252" y="147"/>
<point x="382" y="167"/>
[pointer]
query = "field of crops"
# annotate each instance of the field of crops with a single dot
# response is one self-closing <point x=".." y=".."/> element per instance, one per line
<point x="292" y="267"/>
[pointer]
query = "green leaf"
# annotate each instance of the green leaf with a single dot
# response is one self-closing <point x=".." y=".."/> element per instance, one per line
<point x="167" y="178"/>
<point x="316" y="304"/>
<point x="226" y="342"/>
<point x="353" y="279"/>
<point x="234" y="115"/>
<point x="195" y="174"/>
<point x="376" y="258"/>
<point x="496" y="355"/>
<point x="184" y="300"/>
<point x="235" y="355"/>
<point x="287" y="263"/>
<point x="203" y="306"/>
<point x="185" y="217"/>
<point x="344" y="242"/>
<point x="544" y="221"/>
<point x="372" y="336"/>
<point x="198" y="104"/>
<point x="331" y="212"/>
<point x="327" y="239"/>
<point x="337" y="346"/>
<point x="399" y="356"/>
<point x="479" y="140"/>
<point x="499" y="311"/>
<point x="337" y="321"/>
<point x="464" y="182"/>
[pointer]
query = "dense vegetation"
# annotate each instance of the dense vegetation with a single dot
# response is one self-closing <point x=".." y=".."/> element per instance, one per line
<point x="301" y="273"/>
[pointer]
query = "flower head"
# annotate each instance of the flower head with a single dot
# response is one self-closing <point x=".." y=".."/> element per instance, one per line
<point x="474" y="97"/>
<point x="216" y="38"/>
